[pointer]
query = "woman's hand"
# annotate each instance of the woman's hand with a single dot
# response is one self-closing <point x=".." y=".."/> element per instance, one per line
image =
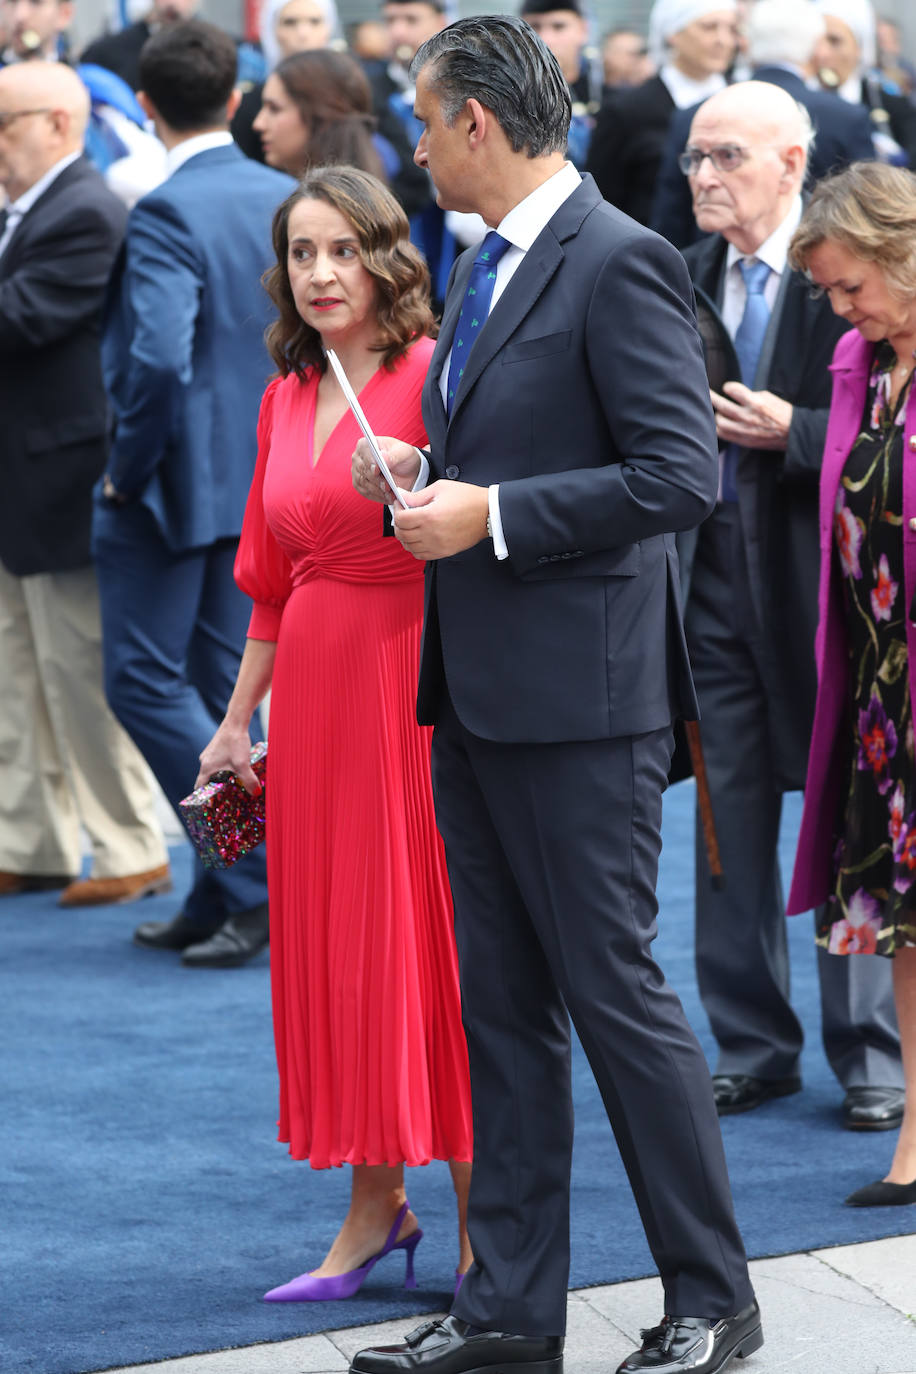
<point x="402" y="459"/>
<point x="230" y="748"/>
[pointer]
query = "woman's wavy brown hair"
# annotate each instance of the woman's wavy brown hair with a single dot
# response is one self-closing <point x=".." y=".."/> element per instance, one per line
<point x="870" y="210"/>
<point x="334" y="99"/>
<point x="400" y="274"/>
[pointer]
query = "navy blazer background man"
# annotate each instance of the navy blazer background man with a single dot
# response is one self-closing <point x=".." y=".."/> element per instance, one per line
<point x="781" y="35"/>
<point x="553" y="663"/>
<point x="63" y="757"/>
<point x="186" y="366"/>
<point x="752" y="571"/>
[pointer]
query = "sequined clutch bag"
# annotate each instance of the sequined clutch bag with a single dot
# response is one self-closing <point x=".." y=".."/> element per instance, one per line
<point x="223" y="820"/>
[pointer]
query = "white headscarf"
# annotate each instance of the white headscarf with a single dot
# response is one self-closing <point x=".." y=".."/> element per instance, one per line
<point x="858" y="16"/>
<point x="668" y="17"/>
<point x="270" y="10"/>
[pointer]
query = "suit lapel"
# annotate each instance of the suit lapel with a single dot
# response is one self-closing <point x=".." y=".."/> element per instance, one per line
<point x="532" y="275"/>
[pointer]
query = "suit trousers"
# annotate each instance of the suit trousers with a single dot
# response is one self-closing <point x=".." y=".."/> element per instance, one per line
<point x="175" y="626"/>
<point x="741" y="945"/>
<point x="64" y="759"/>
<point x="552" y="854"/>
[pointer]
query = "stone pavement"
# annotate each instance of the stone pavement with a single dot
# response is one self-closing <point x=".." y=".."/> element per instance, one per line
<point x="849" y="1310"/>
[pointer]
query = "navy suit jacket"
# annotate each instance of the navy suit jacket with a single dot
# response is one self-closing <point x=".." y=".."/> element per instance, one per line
<point x="778" y="495"/>
<point x="53" y="408"/>
<point x="842" y="134"/>
<point x="184" y="354"/>
<point x="585" y="398"/>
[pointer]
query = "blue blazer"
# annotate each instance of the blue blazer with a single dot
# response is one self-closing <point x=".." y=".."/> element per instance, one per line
<point x="585" y="397"/>
<point x="183" y="348"/>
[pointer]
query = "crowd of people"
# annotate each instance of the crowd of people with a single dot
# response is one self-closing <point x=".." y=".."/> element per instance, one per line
<point x="648" y="437"/>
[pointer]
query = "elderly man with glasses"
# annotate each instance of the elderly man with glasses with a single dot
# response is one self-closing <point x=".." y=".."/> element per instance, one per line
<point x="751" y="573"/>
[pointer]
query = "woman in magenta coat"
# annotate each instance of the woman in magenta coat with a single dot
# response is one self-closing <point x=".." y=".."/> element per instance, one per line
<point x="857" y="847"/>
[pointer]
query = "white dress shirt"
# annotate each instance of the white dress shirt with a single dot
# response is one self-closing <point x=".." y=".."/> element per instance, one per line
<point x="521" y="226"/>
<point x="190" y="147"/>
<point x="774" y="252"/>
<point x="19" y="207"/>
<point x="685" y="91"/>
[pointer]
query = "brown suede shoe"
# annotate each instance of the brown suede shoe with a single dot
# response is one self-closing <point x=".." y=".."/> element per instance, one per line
<point x="108" y="891"/>
<point x="13" y="883"/>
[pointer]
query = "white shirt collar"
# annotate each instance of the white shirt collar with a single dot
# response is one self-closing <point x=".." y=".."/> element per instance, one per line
<point x="28" y="198"/>
<point x="775" y="250"/>
<point x="525" y="221"/>
<point x="684" y="91"/>
<point x="201" y="143"/>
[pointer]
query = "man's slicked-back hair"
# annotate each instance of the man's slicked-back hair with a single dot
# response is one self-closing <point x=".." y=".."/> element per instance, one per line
<point x="188" y="71"/>
<point x="501" y="62"/>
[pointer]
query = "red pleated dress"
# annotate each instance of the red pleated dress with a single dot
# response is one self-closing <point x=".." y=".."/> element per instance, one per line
<point x="367" y="1019"/>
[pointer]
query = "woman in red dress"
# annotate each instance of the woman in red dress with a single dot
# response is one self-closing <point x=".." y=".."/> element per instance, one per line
<point x="367" y="1020"/>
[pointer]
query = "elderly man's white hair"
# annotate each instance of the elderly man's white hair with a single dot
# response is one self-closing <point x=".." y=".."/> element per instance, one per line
<point x="780" y="31"/>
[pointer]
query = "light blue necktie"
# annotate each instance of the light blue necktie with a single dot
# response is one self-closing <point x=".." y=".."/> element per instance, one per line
<point x="748" y="343"/>
<point x="474" y="308"/>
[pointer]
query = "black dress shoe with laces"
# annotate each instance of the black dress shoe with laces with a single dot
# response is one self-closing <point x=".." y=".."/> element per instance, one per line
<point x="873" y="1109"/>
<point x="739" y="1092"/>
<point x="177" y="934"/>
<point x="452" y="1346"/>
<point x="696" y="1345"/>
<point x="238" y="939"/>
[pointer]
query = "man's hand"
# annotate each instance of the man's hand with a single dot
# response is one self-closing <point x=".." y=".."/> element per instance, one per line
<point x="444" y="518"/>
<point x="402" y="459"/>
<point x="753" y="419"/>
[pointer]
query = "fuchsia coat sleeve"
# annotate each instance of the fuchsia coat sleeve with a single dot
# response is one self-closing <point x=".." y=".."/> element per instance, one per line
<point x="827" y="760"/>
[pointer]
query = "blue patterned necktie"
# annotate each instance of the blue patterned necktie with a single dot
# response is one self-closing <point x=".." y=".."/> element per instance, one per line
<point x="474" y="308"/>
<point x="748" y="343"/>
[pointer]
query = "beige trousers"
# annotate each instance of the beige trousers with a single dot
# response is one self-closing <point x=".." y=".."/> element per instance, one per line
<point x="64" y="759"/>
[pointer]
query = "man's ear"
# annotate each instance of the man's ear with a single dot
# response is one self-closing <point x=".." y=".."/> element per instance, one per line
<point x="478" y="118"/>
<point x="233" y="103"/>
<point x="146" y="105"/>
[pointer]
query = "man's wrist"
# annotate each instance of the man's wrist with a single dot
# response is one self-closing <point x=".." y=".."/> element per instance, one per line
<point x="111" y="493"/>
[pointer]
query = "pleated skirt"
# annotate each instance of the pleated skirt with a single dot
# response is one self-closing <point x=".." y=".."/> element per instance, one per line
<point x="370" y="1048"/>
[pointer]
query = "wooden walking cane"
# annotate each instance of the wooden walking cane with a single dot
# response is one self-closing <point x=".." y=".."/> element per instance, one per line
<point x="704" y="800"/>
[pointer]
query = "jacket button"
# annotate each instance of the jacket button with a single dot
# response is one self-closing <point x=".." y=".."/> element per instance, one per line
<point x="452" y="472"/>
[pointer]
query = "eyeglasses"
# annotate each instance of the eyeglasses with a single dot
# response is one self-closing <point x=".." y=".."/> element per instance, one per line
<point x="8" y="116"/>
<point x="727" y="158"/>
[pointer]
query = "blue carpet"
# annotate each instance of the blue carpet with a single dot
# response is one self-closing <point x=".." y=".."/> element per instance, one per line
<point x="147" y="1205"/>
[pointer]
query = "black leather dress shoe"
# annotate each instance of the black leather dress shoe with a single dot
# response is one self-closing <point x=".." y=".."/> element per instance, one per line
<point x="696" y="1345"/>
<point x="873" y="1109"/>
<point x="452" y="1346"/>
<point x="238" y="939"/>
<point x="738" y="1092"/>
<point x="177" y="934"/>
<point x="883" y="1194"/>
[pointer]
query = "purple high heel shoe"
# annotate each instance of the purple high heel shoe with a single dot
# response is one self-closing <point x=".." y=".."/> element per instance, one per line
<point x="309" y="1288"/>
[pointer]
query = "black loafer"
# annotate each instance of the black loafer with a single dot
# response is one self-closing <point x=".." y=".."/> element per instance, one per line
<point x="452" y="1346"/>
<point x="873" y="1109"/>
<point x="177" y="934"/>
<point x="738" y="1092"/>
<point x="696" y="1344"/>
<point x="883" y="1194"/>
<point x="238" y="939"/>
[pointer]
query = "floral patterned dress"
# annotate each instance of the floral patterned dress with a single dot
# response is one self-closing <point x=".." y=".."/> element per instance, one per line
<point x="872" y="909"/>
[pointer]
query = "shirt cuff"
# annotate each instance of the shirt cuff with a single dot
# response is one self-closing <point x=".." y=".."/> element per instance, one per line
<point x="423" y="474"/>
<point x="500" y="548"/>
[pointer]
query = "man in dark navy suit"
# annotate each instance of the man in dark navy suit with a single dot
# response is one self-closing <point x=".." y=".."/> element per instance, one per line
<point x="781" y="37"/>
<point x="64" y="760"/>
<point x="186" y="364"/>
<point x="570" y="434"/>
